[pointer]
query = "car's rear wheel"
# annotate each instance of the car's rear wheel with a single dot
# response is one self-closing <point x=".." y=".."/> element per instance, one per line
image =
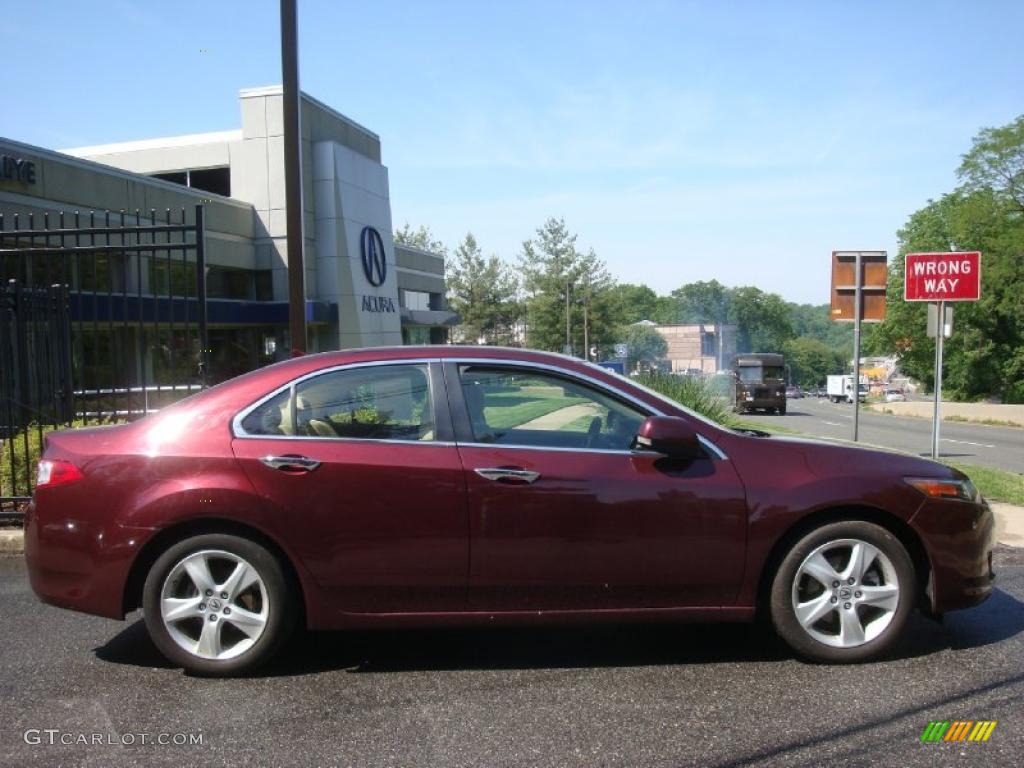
<point x="843" y="593"/>
<point x="218" y="604"/>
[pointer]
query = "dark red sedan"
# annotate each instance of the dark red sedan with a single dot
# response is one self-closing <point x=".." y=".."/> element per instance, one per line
<point x="414" y="486"/>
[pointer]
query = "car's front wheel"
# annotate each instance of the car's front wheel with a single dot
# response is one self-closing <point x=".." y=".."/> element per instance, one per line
<point x="218" y="605"/>
<point x="843" y="592"/>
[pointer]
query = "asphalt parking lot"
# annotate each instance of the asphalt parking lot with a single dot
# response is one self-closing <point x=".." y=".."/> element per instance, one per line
<point x="714" y="695"/>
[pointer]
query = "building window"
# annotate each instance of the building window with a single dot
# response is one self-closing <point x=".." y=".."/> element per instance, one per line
<point x="215" y="180"/>
<point x="264" y="285"/>
<point x="223" y="283"/>
<point x="175" y="278"/>
<point x="415" y="299"/>
<point x="707" y="344"/>
<point x="416" y="334"/>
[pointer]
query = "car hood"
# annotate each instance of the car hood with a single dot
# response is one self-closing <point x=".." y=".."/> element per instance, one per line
<point x="826" y="458"/>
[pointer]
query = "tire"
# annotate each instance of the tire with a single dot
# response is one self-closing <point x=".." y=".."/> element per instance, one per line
<point x="851" y="622"/>
<point x="781" y="410"/>
<point x="208" y="634"/>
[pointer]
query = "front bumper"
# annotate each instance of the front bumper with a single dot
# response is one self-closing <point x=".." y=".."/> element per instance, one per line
<point x="959" y="537"/>
<point x="77" y="564"/>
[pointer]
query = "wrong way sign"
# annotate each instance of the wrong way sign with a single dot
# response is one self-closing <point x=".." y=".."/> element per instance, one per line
<point x="942" y="276"/>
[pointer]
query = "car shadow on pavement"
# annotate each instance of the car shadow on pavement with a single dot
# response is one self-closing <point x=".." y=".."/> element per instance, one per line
<point x="490" y="648"/>
<point x="392" y="650"/>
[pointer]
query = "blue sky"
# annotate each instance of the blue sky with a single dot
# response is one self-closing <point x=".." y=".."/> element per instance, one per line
<point x="738" y="141"/>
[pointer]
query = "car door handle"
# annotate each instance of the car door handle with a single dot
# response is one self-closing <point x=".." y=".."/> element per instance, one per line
<point x="291" y="463"/>
<point x="508" y="475"/>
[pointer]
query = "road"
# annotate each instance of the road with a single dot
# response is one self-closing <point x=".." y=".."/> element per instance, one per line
<point x="998" y="447"/>
<point x="698" y="695"/>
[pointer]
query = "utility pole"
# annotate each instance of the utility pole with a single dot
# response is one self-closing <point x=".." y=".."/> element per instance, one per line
<point x="293" y="176"/>
<point x="568" y="339"/>
<point x="857" y="318"/>
<point x="586" y="330"/>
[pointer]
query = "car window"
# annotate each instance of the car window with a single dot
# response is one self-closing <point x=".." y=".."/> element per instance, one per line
<point x="525" y="407"/>
<point x="388" y="402"/>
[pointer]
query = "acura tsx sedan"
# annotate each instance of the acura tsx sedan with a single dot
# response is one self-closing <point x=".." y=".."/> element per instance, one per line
<point x="458" y="485"/>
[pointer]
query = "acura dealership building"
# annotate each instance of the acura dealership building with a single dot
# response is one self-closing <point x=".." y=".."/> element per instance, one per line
<point x="361" y="289"/>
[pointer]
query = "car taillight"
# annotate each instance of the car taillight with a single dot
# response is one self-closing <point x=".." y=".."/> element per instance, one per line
<point x="56" y="472"/>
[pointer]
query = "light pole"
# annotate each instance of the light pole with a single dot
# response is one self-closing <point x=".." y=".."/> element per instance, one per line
<point x="585" y="301"/>
<point x="293" y="176"/>
<point x="568" y="338"/>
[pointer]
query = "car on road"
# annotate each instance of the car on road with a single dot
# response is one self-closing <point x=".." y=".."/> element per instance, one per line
<point x="448" y="485"/>
<point x="794" y="392"/>
<point x="895" y="395"/>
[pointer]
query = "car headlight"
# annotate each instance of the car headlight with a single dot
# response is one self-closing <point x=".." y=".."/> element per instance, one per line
<point x="945" y="488"/>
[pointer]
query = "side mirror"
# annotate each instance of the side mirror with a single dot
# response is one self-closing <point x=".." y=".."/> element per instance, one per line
<point x="670" y="436"/>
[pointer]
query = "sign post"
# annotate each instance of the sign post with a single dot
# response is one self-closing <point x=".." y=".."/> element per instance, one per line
<point x="938" y="278"/>
<point x="858" y="295"/>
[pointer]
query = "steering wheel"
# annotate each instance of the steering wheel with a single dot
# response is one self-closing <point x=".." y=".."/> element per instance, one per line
<point x="593" y="431"/>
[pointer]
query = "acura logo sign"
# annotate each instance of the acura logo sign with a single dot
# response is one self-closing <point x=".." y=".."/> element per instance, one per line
<point x="375" y="265"/>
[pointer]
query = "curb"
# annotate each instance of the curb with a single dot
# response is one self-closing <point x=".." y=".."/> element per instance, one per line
<point x="12" y="542"/>
<point x="1009" y="530"/>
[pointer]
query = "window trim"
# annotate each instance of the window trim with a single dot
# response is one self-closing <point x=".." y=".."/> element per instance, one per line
<point x="460" y="415"/>
<point x="442" y="418"/>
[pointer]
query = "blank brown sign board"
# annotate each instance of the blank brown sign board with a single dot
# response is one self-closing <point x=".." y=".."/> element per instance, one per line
<point x="874" y="274"/>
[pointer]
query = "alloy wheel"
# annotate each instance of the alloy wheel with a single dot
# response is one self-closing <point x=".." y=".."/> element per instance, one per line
<point x="845" y="593"/>
<point x="214" y="604"/>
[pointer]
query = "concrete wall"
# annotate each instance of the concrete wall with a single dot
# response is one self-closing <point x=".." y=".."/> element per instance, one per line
<point x="65" y="183"/>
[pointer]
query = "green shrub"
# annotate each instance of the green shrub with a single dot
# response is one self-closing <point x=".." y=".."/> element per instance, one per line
<point x="13" y="468"/>
<point x="694" y="392"/>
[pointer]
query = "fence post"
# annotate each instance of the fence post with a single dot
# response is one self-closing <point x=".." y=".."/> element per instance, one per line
<point x="204" y="341"/>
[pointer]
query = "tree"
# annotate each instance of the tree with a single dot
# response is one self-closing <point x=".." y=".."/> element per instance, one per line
<point x="483" y="291"/>
<point x="630" y="303"/>
<point x="985" y="356"/>
<point x="645" y="345"/>
<point x="555" y="275"/>
<point x="701" y="302"/>
<point x="421" y="238"/>
<point x="811" y="361"/>
<point x="762" y="320"/>
<point x="995" y="163"/>
<point x="814" y="321"/>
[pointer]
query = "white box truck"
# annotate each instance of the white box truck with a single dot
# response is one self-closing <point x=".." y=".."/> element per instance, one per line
<point x="840" y="389"/>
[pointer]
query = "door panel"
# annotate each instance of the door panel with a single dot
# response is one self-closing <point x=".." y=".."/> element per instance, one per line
<point x="565" y="516"/>
<point x="377" y="497"/>
<point x="380" y="526"/>
<point x="603" y="530"/>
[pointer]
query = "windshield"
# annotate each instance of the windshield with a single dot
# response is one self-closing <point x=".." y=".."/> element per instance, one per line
<point x="752" y="373"/>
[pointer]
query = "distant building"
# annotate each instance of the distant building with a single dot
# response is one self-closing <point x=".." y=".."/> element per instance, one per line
<point x="699" y="347"/>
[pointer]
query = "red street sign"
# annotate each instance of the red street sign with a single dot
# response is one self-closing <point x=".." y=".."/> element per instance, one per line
<point x="942" y="277"/>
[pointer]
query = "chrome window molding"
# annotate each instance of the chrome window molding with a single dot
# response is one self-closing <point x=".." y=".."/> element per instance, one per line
<point x="239" y="432"/>
<point x="650" y="410"/>
<point x="708" y="445"/>
<point x="647" y="408"/>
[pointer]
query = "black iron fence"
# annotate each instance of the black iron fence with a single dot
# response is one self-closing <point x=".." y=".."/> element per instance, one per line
<point x="102" y="319"/>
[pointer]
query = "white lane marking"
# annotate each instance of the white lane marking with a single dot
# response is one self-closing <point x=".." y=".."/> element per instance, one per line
<point x="833" y="423"/>
<point x="967" y="442"/>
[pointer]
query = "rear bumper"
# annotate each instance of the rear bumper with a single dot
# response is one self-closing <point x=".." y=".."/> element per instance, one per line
<point x="960" y="538"/>
<point x="761" y="402"/>
<point x="79" y="565"/>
